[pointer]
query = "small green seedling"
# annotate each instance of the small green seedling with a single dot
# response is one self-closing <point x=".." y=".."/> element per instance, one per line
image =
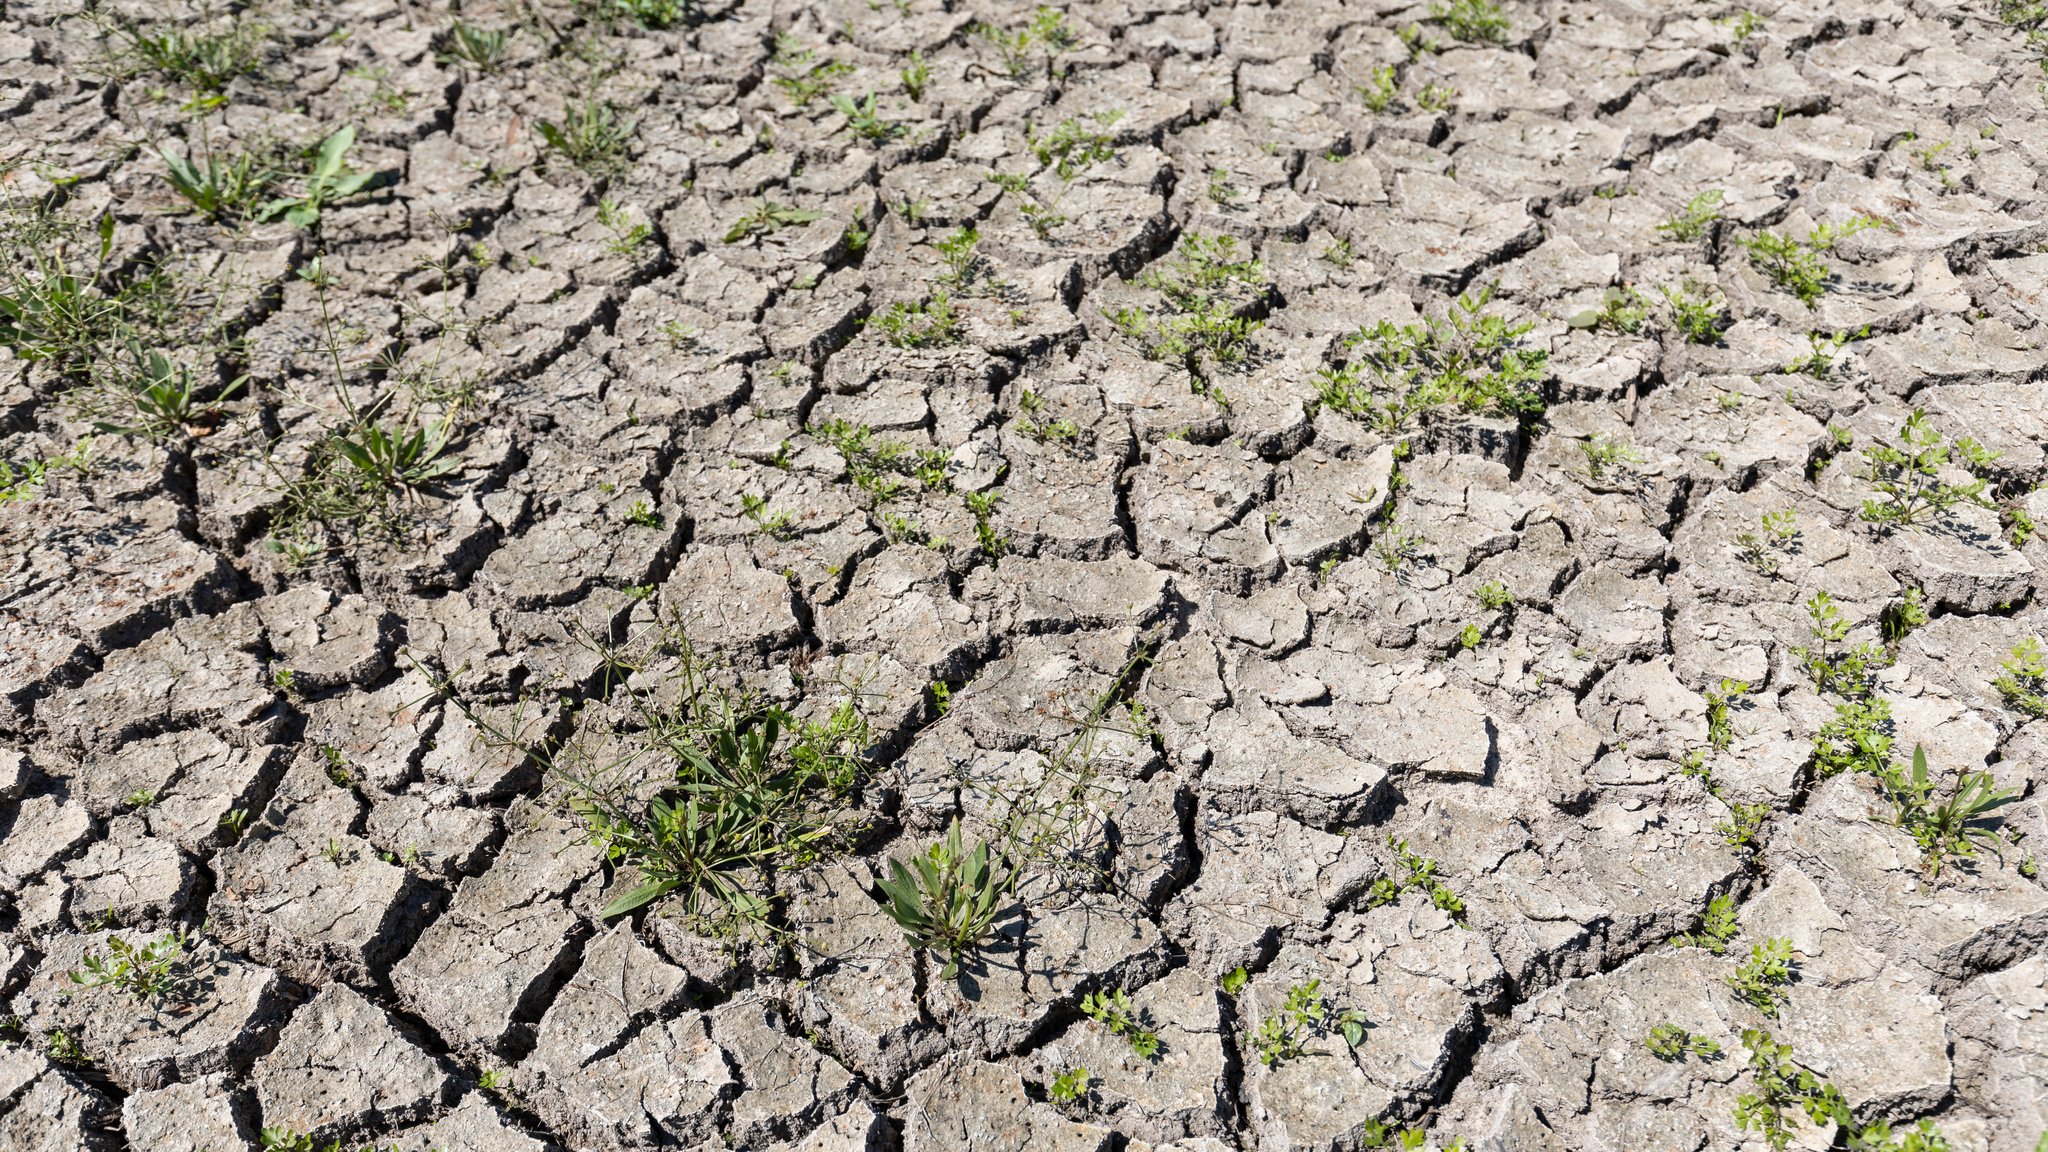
<point x="864" y="118"/>
<point x="149" y="972"/>
<point x="1306" y="1015"/>
<point x="1718" y="926"/>
<point x="627" y="234"/>
<point x="1604" y="455"/>
<point x="1114" y="1012"/>
<point x="1692" y="222"/>
<point x="1760" y="980"/>
<point x="766" y="219"/>
<point x="1069" y="1086"/>
<point x="1380" y="90"/>
<point x="1475" y="21"/>
<point x="219" y="188"/>
<point x="1697" y="311"/>
<point x="329" y="179"/>
<point x="2022" y="680"/>
<point x="473" y="46"/>
<point x="1949" y="832"/>
<point x="1668" y="1042"/>
<point x="591" y="136"/>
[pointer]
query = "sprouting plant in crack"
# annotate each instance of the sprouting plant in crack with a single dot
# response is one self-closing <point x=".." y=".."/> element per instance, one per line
<point x="1760" y="980"/>
<point x="1833" y="663"/>
<point x="1419" y="873"/>
<point x="928" y="323"/>
<point x="1692" y="222"/>
<point x="219" y="187"/>
<point x="1606" y="456"/>
<point x="864" y="118"/>
<point x="948" y="899"/>
<point x="1952" y="829"/>
<point x="1718" y="926"/>
<point x="767" y="218"/>
<point x="1670" y="1043"/>
<point x="1697" y="311"/>
<point x="627" y="234"/>
<point x="2022" y="680"/>
<point x="1475" y="21"/>
<point x="703" y="790"/>
<point x="982" y="506"/>
<point x="1622" y="309"/>
<point x="398" y="458"/>
<point x="1782" y="1085"/>
<point x="1113" y="1010"/>
<point x="1069" y="1087"/>
<point x="145" y="972"/>
<point x="1303" y="1017"/>
<point x="1721" y="699"/>
<point x="327" y="180"/>
<point x="774" y="525"/>
<point x="1797" y="266"/>
<point x="1206" y="287"/>
<point x="474" y="46"/>
<point x="1470" y="359"/>
<point x="1744" y="828"/>
<point x="591" y="136"/>
<point x="1910" y="478"/>
<point x="801" y="74"/>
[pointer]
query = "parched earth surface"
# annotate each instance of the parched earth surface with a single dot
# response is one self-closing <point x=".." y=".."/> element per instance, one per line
<point x="1345" y="514"/>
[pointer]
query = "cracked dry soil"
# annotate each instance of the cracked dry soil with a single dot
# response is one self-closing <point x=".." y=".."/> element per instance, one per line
<point x="1395" y="495"/>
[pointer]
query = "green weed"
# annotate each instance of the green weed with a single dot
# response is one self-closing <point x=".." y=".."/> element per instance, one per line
<point x="1834" y="665"/>
<point x="1908" y="477"/>
<point x="1796" y="266"/>
<point x="591" y="136"/>
<point x="1621" y="310"/>
<point x="1697" y="311"/>
<point x="1204" y="285"/>
<point x="627" y="234"/>
<point x="22" y="479"/>
<point x="1668" y="1042"/>
<point x="1379" y="92"/>
<point x="473" y="46"/>
<point x="1692" y="222"/>
<point x="747" y="789"/>
<point x="219" y="188"/>
<point x="329" y="179"/>
<point x="1069" y="1086"/>
<point x="1718" y="925"/>
<point x="864" y="118"/>
<point x="1468" y="359"/>
<point x="1306" y="1015"/>
<point x="2022" y="680"/>
<point x="1606" y="455"/>
<point x="1952" y="830"/>
<point x="206" y="61"/>
<point x="766" y="219"/>
<point x="1760" y="980"/>
<point x="152" y="971"/>
<point x="1782" y="1085"/>
<point x="804" y="77"/>
<point x="1418" y="873"/>
<point x="929" y="323"/>
<point x="1113" y="1011"/>
<point x="654" y="15"/>
<point x="1475" y="21"/>
<point x="1436" y="98"/>
<point x="916" y="75"/>
<point x="948" y="900"/>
